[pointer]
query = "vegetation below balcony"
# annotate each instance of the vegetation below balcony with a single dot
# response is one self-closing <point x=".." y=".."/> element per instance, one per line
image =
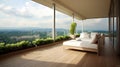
<point x="6" y="48"/>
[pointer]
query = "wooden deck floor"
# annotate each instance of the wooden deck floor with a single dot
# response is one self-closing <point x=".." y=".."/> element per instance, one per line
<point x="56" y="56"/>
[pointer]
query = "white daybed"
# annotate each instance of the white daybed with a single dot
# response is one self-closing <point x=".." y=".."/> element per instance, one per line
<point x="86" y="42"/>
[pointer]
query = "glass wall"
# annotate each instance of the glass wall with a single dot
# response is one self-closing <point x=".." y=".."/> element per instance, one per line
<point x="24" y="20"/>
<point x="96" y="25"/>
<point x="114" y="30"/>
<point x="63" y="22"/>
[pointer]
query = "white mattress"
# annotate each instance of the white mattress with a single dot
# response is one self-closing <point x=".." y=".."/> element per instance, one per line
<point x="84" y="44"/>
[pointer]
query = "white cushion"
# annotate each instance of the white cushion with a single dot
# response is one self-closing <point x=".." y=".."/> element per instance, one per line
<point x="86" y="39"/>
<point x="84" y="44"/>
<point x="78" y="39"/>
<point x="93" y="34"/>
<point x="84" y="35"/>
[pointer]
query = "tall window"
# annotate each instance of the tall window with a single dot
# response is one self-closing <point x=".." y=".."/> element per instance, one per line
<point x="63" y="22"/>
<point x="94" y="25"/>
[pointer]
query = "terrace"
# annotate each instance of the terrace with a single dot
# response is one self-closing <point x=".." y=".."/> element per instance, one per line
<point x="53" y="55"/>
<point x="56" y="56"/>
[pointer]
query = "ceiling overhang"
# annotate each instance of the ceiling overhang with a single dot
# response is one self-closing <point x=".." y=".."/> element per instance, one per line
<point x="82" y="9"/>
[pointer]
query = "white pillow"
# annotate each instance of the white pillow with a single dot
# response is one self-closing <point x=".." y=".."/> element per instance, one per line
<point x="85" y="35"/>
<point x="94" y="39"/>
<point x="78" y="39"/>
<point x="93" y="34"/>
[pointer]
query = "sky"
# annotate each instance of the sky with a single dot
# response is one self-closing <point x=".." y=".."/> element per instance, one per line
<point x="26" y="13"/>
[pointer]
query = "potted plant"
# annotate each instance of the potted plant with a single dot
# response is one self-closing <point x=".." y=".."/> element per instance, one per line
<point x="72" y="30"/>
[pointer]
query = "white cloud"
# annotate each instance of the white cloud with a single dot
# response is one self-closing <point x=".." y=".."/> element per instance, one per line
<point x="97" y="20"/>
<point x="37" y="12"/>
<point x="32" y="14"/>
<point x="7" y="8"/>
<point x="1" y="6"/>
<point x="96" y="24"/>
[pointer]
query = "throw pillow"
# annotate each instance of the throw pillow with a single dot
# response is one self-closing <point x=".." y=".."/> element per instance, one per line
<point x="94" y="39"/>
<point x="78" y="39"/>
<point x="84" y="35"/>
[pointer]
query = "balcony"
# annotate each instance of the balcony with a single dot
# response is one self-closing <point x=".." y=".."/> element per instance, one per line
<point x="56" y="56"/>
<point x="53" y="54"/>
